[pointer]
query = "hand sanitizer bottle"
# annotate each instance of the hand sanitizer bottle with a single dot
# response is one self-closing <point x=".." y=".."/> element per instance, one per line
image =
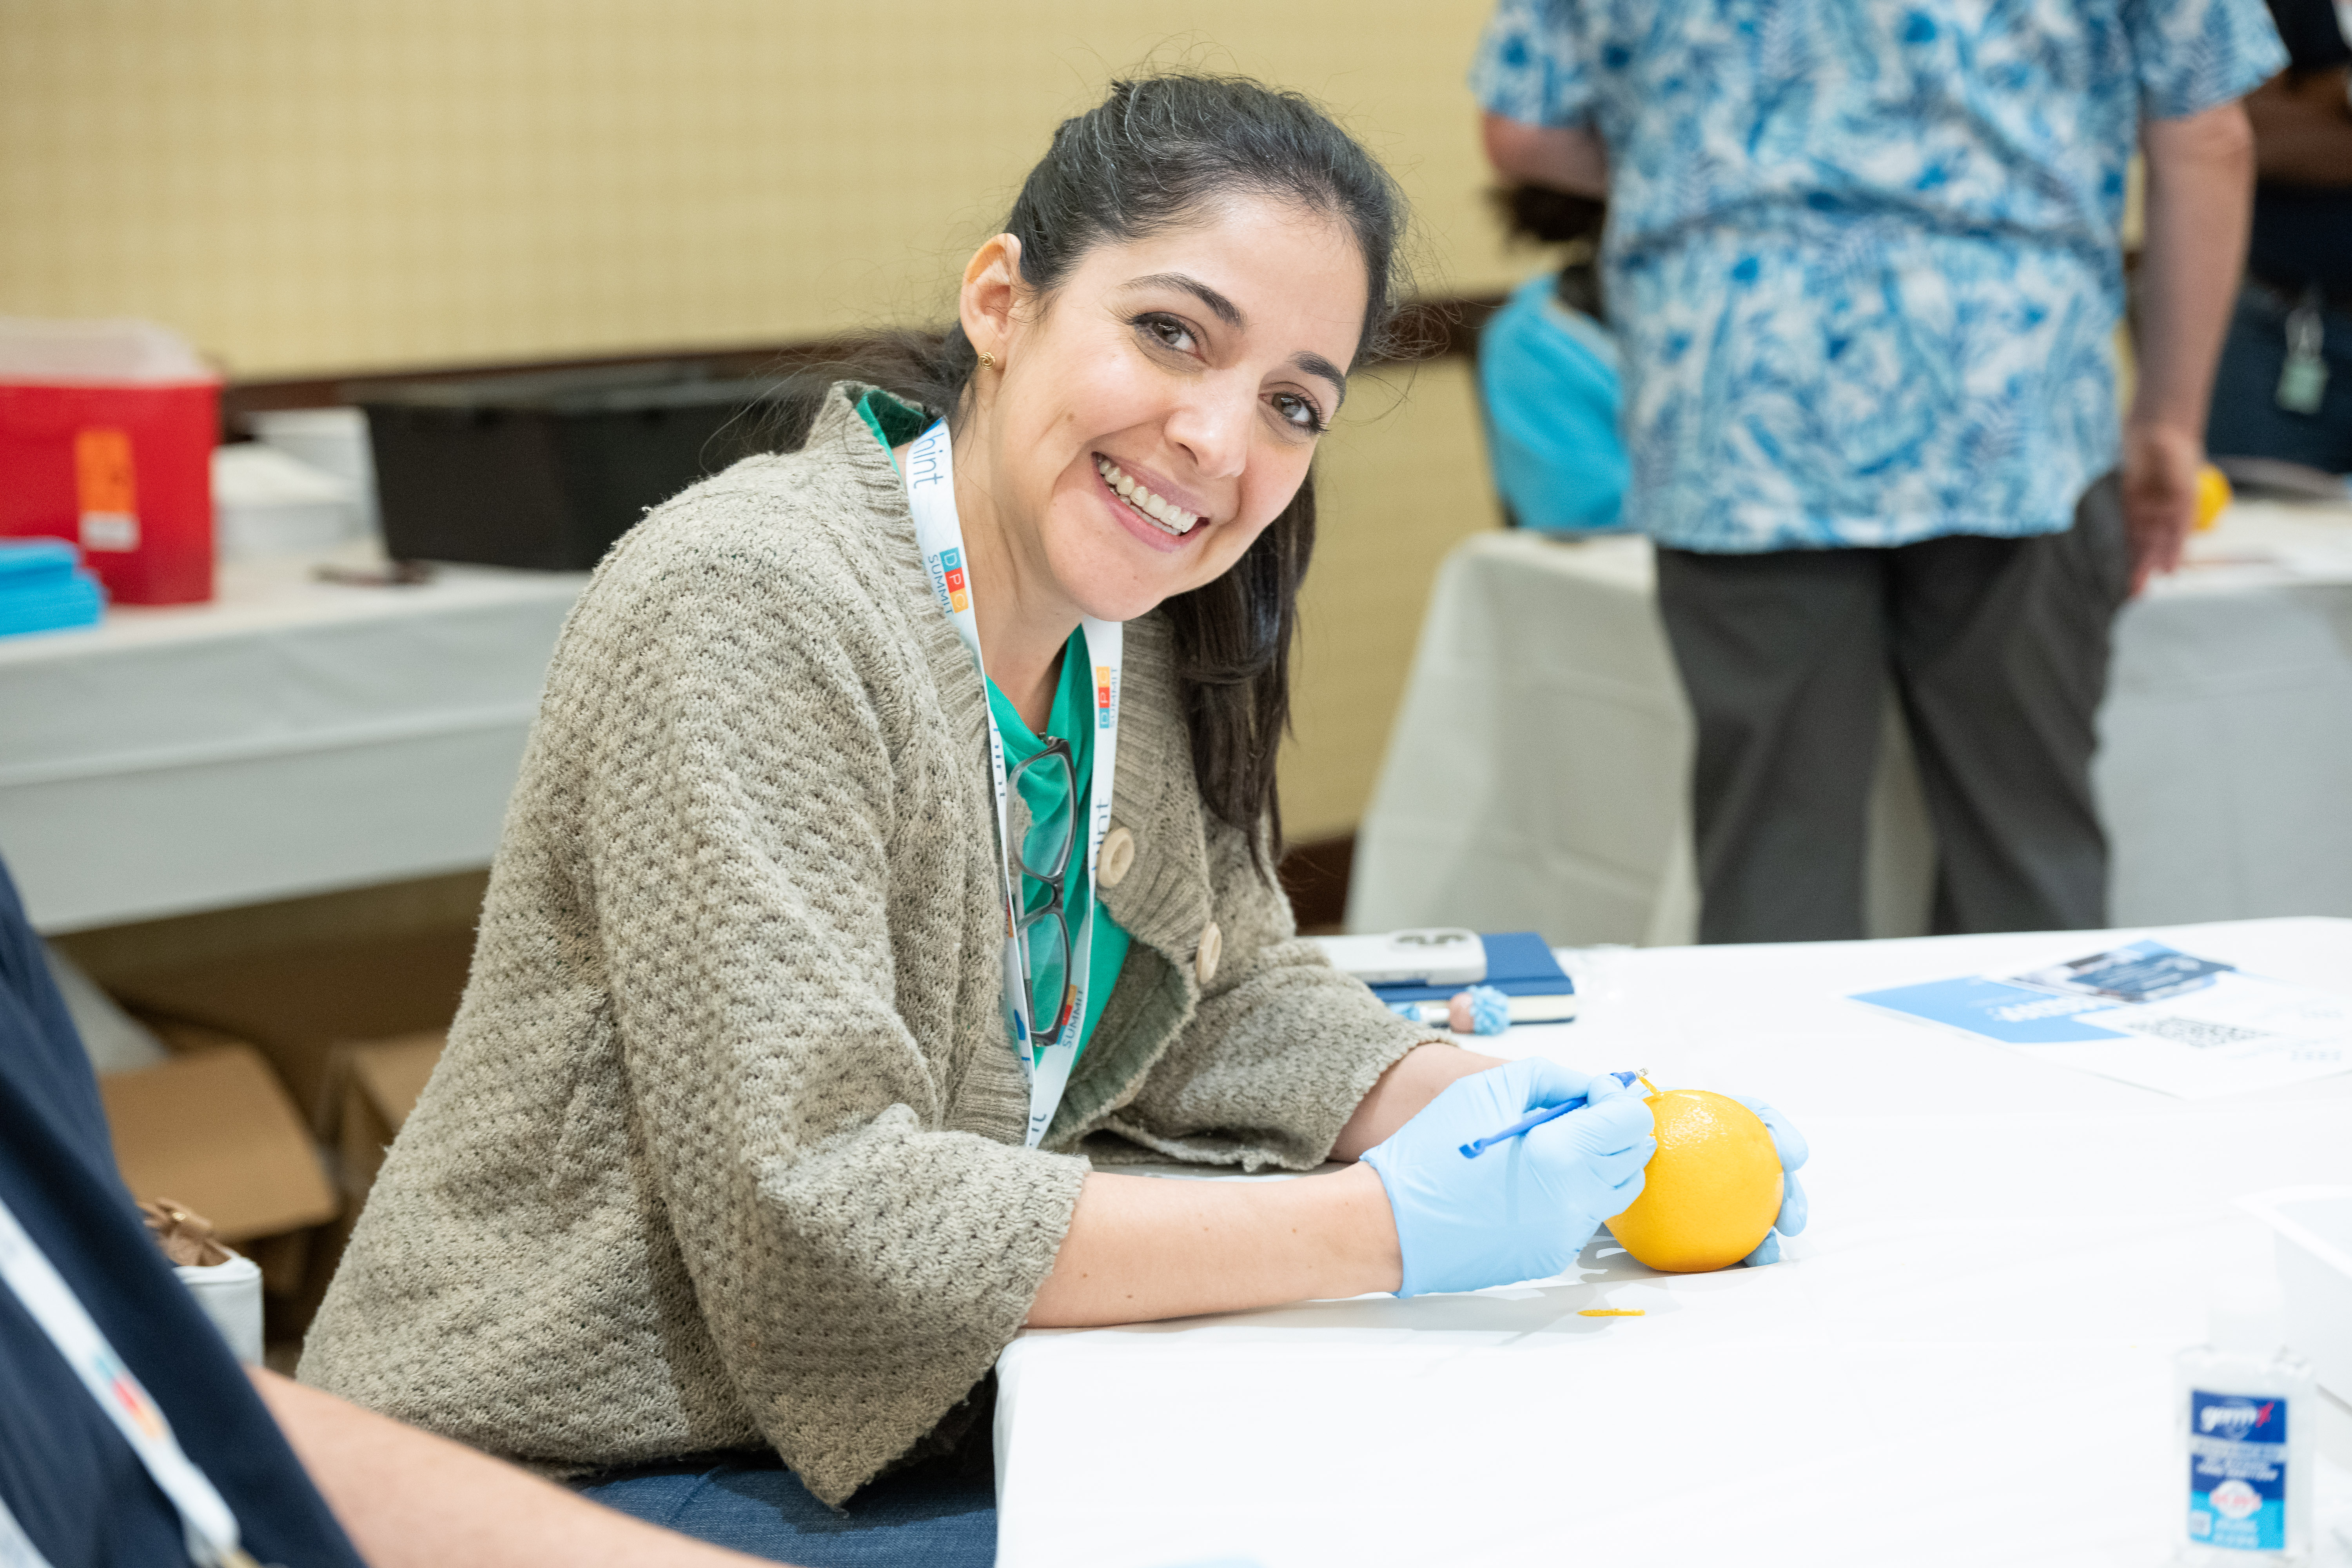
<point x="2244" y="1408"/>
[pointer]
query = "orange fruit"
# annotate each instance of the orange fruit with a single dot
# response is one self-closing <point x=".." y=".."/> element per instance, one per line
<point x="1712" y="1190"/>
<point x="2213" y="494"/>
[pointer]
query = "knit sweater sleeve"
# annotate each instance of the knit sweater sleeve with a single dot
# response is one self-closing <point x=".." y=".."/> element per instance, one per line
<point x="751" y="841"/>
<point x="1280" y="1049"/>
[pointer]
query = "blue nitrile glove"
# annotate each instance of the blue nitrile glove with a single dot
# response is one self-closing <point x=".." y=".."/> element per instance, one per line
<point x="1790" y="1144"/>
<point x="1523" y="1209"/>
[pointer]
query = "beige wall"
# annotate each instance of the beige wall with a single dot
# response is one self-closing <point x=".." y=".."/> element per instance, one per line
<point x="307" y="184"/>
<point x="326" y="185"/>
<point x="1398" y="484"/>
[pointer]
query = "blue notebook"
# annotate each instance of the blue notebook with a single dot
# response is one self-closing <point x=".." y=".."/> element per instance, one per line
<point x="1519" y="963"/>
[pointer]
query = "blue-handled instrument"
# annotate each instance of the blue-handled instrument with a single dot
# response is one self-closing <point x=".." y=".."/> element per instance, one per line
<point x="1471" y="1150"/>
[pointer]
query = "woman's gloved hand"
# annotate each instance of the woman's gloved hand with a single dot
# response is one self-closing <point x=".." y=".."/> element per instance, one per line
<point x="1523" y="1209"/>
<point x="1790" y="1144"/>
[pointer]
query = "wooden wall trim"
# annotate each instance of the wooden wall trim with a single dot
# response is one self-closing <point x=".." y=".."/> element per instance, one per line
<point x="1427" y="330"/>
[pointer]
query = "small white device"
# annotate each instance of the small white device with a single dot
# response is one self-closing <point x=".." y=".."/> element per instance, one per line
<point x="1435" y="955"/>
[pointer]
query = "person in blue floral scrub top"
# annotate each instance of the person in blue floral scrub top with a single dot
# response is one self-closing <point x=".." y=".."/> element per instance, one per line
<point x="1864" y="259"/>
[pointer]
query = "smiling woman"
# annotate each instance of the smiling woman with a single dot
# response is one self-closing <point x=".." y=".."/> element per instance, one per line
<point x="892" y="856"/>
<point x="1250" y="195"/>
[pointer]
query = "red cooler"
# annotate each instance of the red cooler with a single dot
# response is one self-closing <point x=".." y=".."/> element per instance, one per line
<point x="116" y="456"/>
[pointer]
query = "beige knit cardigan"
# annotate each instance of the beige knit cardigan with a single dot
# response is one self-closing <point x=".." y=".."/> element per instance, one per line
<point x="726" y="1150"/>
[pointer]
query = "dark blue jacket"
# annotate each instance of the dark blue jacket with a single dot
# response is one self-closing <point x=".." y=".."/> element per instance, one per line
<point x="66" y="1474"/>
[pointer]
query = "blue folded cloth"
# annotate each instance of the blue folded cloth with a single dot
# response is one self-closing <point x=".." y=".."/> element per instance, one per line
<point x="43" y="587"/>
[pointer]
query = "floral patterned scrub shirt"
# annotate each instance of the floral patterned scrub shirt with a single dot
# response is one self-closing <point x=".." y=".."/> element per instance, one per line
<point x="1864" y="256"/>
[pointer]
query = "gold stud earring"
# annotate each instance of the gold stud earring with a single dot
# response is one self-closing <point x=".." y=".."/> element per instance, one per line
<point x="988" y="360"/>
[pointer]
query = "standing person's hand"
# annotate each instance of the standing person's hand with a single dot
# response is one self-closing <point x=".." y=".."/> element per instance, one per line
<point x="2201" y="194"/>
<point x="2159" y="485"/>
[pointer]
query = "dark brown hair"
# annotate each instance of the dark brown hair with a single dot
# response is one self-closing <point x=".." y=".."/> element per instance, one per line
<point x="1156" y="154"/>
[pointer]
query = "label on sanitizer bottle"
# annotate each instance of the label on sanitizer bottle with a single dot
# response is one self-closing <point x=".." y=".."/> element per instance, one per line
<point x="2237" y="1471"/>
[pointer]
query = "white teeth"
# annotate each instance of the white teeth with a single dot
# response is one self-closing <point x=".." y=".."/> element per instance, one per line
<point x="1170" y="519"/>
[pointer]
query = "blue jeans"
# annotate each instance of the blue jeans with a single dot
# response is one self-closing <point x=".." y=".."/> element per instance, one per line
<point x="939" y="1514"/>
<point x="2247" y="421"/>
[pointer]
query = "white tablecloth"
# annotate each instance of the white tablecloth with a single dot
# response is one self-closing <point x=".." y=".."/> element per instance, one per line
<point x="1536" y="777"/>
<point x="1966" y="1360"/>
<point x="290" y="737"/>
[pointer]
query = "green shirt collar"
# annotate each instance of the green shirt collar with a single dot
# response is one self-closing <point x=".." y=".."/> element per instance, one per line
<point x="894" y="420"/>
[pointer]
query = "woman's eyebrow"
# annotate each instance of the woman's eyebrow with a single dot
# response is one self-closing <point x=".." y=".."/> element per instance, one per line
<point x="1316" y="365"/>
<point x="1227" y="311"/>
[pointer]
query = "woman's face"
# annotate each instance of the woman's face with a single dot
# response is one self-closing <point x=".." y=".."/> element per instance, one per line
<point x="1143" y="426"/>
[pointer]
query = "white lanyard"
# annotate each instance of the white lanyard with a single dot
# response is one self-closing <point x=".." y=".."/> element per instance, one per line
<point x="17" y="1549"/>
<point x="211" y="1529"/>
<point x="939" y="534"/>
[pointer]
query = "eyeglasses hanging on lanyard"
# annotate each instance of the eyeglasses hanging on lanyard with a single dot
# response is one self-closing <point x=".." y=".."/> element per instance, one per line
<point x="1045" y="857"/>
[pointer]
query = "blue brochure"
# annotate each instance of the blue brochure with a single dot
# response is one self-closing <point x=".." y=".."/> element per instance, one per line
<point x="2144" y="972"/>
<point x="2012" y="1015"/>
<point x="2046" y="1005"/>
<point x="2146" y="1013"/>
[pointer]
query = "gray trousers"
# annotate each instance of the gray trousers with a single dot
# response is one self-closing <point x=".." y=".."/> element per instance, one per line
<point x="1997" y="651"/>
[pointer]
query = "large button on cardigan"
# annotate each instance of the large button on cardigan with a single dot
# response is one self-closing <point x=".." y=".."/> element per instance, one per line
<point x="726" y="1148"/>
